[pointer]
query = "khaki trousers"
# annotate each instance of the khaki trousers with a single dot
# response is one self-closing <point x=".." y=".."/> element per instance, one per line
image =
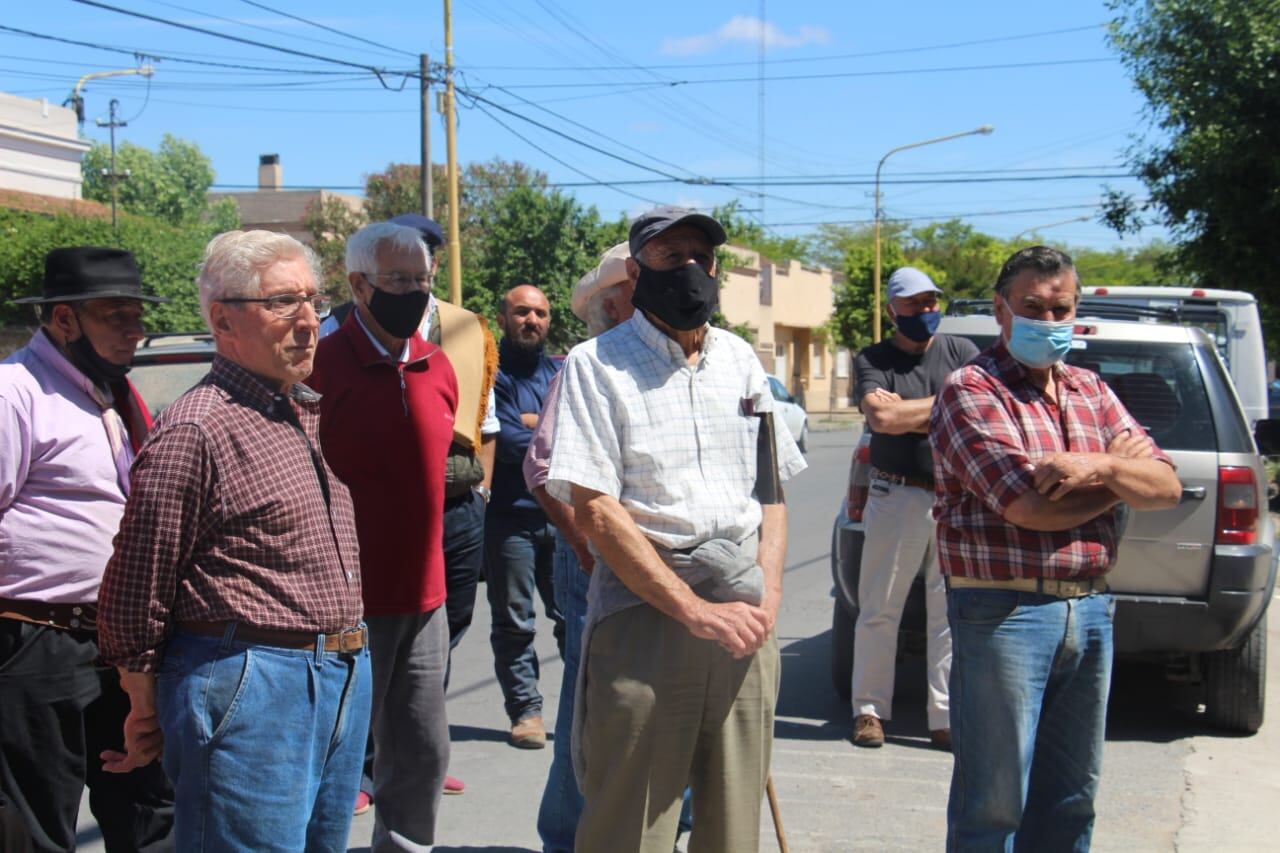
<point x="665" y="710"/>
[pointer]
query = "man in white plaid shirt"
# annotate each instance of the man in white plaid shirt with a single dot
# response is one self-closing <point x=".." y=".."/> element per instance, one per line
<point x="656" y="446"/>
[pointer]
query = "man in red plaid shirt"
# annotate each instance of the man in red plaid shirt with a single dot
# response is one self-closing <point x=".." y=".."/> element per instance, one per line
<point x="1032" y="457"/>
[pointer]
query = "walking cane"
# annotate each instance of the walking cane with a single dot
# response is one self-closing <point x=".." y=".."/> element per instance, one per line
<point x="769" y="491"/>
<point x="777" y="815"/>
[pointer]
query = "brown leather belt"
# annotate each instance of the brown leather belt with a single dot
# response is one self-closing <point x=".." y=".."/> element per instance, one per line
<point x="68" y="617"/>
<point x="346" y="640"/>
<point x="1042" y="586"/>
<point x="901" y="479"/>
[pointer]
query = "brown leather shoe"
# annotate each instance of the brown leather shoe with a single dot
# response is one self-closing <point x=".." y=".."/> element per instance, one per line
<point x="941" y="739"/>
<point x="529" y="733"/>
<point x="867" y="731"/>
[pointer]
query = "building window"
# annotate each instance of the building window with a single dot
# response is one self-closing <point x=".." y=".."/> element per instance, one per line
<point x="766" y="284"/>
<point x="816" y="352"/>
<point x="842" y="363"/>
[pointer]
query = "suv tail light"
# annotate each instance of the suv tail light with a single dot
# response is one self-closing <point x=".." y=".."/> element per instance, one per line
<point x="1237" y="506"/>
<point x="856" y="499"/>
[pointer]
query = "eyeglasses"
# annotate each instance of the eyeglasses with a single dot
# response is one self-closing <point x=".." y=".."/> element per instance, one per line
<point x="287" y="305"/>
<point x="400" y="283"/>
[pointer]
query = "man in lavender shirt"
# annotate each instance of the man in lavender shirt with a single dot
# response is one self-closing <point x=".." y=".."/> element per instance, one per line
<point x="70" y="423"/>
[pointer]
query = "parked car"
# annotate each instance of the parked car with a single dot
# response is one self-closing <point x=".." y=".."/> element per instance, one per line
<point x="165" y="365"/>
<point x="791" y="413"/>
<point x="1192" y="583"/>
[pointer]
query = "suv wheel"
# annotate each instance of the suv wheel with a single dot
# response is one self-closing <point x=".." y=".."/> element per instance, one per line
<point x="802" y="443"/>
<point x="842" y="625"/>
<point x="1235" y="682"/>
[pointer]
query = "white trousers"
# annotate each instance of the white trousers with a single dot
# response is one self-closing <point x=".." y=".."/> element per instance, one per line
<point x="900" y="534"/>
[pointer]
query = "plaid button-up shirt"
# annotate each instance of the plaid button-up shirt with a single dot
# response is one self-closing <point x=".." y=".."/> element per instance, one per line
<point x="670" y="440"/>
<point x="989" y="428"/>
<point x="234" y="515"/>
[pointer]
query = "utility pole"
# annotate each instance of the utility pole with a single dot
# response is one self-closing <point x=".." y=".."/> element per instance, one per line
<point x="113" y="176"/>
<point x="424" y="73"/>
<point x="451" y="144"/>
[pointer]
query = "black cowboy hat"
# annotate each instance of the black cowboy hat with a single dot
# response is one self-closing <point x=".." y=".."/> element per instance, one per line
<point x="89" y="272"/>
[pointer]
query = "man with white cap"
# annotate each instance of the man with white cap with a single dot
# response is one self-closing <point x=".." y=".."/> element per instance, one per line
<point x="601" y="299"/>
<point x="896" y="380"/>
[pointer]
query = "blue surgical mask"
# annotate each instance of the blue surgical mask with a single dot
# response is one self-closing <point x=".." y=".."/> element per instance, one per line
<point x="1040" y="343"/>
<point x="918" y="327"/>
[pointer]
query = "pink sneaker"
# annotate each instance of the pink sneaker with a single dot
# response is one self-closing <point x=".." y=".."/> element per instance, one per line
<point x="453" y="785"/>
<point x="363" y="803"/>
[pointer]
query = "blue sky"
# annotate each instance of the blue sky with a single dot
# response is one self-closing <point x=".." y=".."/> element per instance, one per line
<point x="670" y="86"/>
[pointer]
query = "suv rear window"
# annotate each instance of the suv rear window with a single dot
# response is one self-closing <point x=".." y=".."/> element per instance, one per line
<point x="1160" y="385"/>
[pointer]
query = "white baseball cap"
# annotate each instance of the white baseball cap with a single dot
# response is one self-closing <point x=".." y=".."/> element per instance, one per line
<point x="908" y="281"/>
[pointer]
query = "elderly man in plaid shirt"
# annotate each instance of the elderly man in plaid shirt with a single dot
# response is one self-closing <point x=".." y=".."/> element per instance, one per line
<point x="232" y="603"/>
<point x="656" y="446"/>
<point x="1031" y="458"/>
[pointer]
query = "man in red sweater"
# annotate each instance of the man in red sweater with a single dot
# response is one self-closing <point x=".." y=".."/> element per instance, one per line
<point x="386" y="422"/>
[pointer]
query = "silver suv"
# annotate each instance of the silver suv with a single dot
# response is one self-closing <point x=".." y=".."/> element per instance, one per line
<point x="1192" y="583"/>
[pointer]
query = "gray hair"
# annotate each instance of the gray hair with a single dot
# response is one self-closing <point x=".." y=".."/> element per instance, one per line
<point x="1044" y="260"/>
<point x="235" y="260"/>
<point x="598" y="320"/>
<point x="362" y="246"/>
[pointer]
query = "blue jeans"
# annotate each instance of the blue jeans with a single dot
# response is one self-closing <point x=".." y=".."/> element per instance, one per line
<point x="561" y="799"/>
<point x="1030" y="676"/>
<point x="518" y="549"/>
<point x="263" y="744"/>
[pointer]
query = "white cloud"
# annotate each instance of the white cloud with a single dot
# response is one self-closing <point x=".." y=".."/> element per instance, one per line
<point x="747" y="30"/>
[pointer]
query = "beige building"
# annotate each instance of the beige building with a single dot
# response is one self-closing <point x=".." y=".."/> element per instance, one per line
<point x="40" y="148"/>
<point x="786" y="307"/>
<point x="272" y="208"/>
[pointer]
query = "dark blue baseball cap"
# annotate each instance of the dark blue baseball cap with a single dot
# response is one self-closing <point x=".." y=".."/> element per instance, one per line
<point x="654" y="222"/>
<point x="431" y="231"/>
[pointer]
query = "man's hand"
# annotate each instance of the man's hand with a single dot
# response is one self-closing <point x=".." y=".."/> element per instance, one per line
<point x="886" y="394"/>
<point x="529" y="419"/>
<point x="143" y="740"/>
<point x="586" y="560"/>
<point x="739" y="628"/>
<point x="1129" y="445"/>
<point x="1059" y="473"/>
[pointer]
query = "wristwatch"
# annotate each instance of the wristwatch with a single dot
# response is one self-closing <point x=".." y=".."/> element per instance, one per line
<point x="484" y="492"/>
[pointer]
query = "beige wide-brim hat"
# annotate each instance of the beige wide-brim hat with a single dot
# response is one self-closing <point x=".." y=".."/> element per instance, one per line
<point x="611" y="270"/>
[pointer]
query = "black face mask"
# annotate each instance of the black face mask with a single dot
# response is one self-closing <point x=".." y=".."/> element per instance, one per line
<point x="684" y="298"/>
<point x="399" y="314"/>
<point x="97" y="368"/>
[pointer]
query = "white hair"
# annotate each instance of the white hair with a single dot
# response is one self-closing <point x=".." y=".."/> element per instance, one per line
<point x="362" y="246"/>
<point x="235" y="260"/>
<point x="598" y="320"/>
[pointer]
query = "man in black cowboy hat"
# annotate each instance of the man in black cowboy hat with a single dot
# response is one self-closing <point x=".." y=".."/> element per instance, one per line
<point x="70" y="423"/>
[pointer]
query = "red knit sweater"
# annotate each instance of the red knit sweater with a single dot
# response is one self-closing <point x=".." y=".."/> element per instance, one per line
<point x="385" y="429"/>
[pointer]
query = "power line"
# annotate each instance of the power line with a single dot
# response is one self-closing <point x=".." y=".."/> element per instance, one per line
<point x="377" y="72"/>
<point x="327" y="28"/>
<point x="890" y="72"/>
<point x="237" y="23"/>
<point x="792" y="60"/>
<point x="567" y="165"/>
<point x="160" y="56"/>
<point x="940" y="216"/>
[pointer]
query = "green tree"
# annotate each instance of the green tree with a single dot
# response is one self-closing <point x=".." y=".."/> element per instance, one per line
<point x="170" y="185"/>
<point x="167" y="259"/>
<point x="1146" y="265"/>
<point x="513" y="229"/>
<point x="969" y="260"/>
<point x="331" y="221"/>
<point x="1210" y="72"/>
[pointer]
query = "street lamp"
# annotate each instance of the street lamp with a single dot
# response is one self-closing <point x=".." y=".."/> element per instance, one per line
<point x="1036" y="228"/>
<point x="984" y="130"/>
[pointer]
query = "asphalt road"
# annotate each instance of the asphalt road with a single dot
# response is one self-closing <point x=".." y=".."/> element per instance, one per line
<point x="1169" y="782"/>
